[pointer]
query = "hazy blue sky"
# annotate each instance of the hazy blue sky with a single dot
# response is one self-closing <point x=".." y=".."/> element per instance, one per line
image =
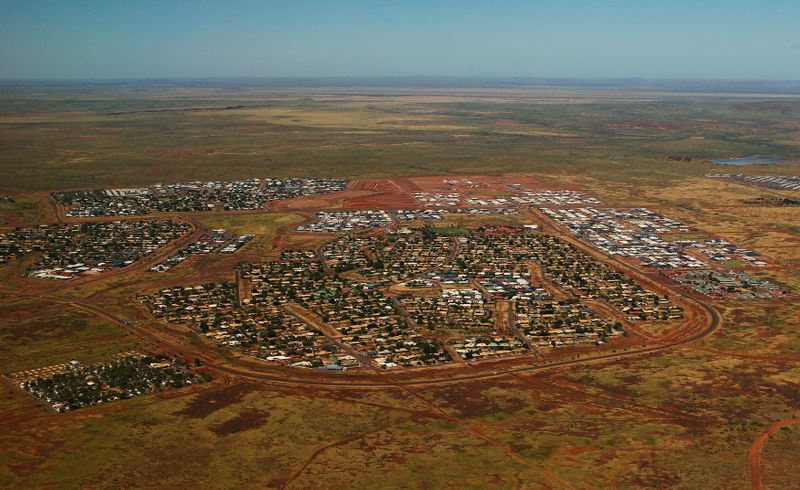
<point x="538" y="38"/>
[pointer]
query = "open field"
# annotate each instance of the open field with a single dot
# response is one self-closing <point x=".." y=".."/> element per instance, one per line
<point x="266" y="227"/>
<point x="669" y="406"/>
<point x="615" y="424"/>
<point x="64" y="139"/>
<point x="775" y="457"/>
<point x="35" y="334"/>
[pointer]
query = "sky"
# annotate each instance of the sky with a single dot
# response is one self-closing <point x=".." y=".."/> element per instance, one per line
<point x="697" y="39"/>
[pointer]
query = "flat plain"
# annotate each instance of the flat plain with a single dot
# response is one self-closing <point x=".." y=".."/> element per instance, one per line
<point x="683" y="417"/>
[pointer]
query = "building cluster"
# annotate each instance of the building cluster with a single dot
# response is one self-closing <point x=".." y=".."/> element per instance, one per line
<point x="191" y="196"/>
<point x="393" y="256"/>
<point x="649" y="221"/>
<point x="74" y="386"/>
<point x="214" y="242"/>
<point x="497" y="262"/>
<point x="466" y="318"/>
<point x="346" y="221"/>
<point x="488" y="201"/>
<point x="721" y="251"/>
<point x="499" y="259"/>
<point x="552" y="323"/>
<point x="635" y="233"/>
<point x="439" y="214"/>
<point x="339" y="312"/>
<point x="223" y="313"/>
<point x="555" y="198"/>
<point x="431" y="199"/>
<point x="511" y="256"/>
<point x="487" y="347"/>
<point x="462" y="309"/>
<point x="462" y="182"/>
<point x="72" y="250"/>
<point x="628" y="233"/>
<point x="291" y="341"/>
<point x="779" y="182"/>
<point x="521" y="197"/>
<point x="729" y="285"/>
<point x="358" y="314"/>
<point x="410" y="297"/>
<point x="418" y="283"/>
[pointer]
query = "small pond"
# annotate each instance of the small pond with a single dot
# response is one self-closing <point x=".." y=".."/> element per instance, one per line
<point x="751" y="160"/>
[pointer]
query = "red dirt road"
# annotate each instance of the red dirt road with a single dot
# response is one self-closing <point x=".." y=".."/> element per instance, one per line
<point x="754" y="455"/>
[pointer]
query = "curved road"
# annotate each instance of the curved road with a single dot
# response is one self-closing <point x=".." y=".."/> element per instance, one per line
<point x="240" y="372"/>
<point x="710" y="329"/>
<point x="754" y="455"/>
<point x="245" y="373"/>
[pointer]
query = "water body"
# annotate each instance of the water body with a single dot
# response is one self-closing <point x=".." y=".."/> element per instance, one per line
<point x="751" y="160"/>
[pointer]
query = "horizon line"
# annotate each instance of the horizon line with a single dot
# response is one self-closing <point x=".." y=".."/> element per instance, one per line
<point x="407" y="77"/>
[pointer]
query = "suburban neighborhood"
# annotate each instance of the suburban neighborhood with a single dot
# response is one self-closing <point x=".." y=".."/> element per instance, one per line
<point x="191" y="196"/>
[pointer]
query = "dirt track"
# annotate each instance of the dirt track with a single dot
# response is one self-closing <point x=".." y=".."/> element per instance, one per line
<point x="754" y="455"/>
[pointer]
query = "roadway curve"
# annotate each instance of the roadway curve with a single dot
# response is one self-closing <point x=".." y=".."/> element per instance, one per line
<point x="222" y="367"/>
<point x="754" y="455"/>
<point x="710" y="329"/>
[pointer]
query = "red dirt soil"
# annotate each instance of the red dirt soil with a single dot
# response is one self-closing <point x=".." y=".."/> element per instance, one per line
<point x="406" y="185"/>
<point x="311" y="203"/>
<point x="374" y="185"/>
<point x="384" y="200"/>
<point x="754" y="455"/>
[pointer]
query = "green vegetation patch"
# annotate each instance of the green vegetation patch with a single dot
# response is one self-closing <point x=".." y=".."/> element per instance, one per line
<point x="266" y="227"/>
<point x="445" y="231"/>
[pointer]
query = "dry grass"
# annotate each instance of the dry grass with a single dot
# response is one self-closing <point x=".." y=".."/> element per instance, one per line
<point x="684" y="419"/>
